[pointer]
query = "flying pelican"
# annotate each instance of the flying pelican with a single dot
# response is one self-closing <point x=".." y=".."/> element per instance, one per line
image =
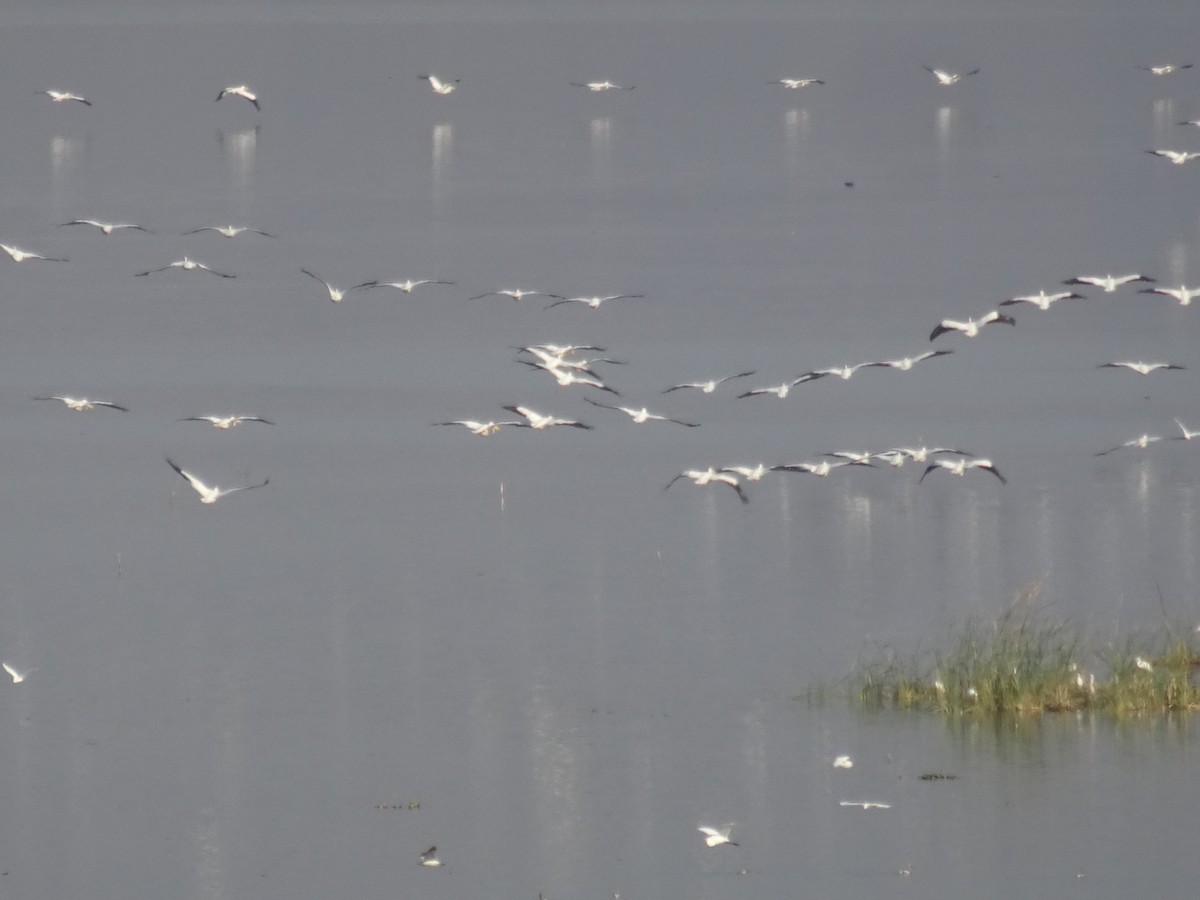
<point x="842" y="372"/>
<point x="715" y="837"/>
<point x="707" y="387"/>
<point x="1183" y="294"/>
<point x="922" y="454"/>
<point x="439" y="86"/>
<point x="561" y="350"/>
<point x="1042" y="300"/>
<point x="865" y="804"/>
<point x="1138" y="443"/>
<point x="568" y="377"/>
<point x="80" y="404"/>
<point x="843" y="762"/>
<point x="594" y="302"/>
<point x="1186" y="434"/>
<point x="214" y="493"/>
<point x="795" y="83"/>
<point x="820" y="469"/>
<point x="597" y="86"/>
<point x="909" y="361"/>
<point x="1109" y="283"/>
<point x="407" y="286"/>
<point x="187" y="265"/>
<point x="483" y="429"/>
<point x="1142" y="368"/>
<point x="710" y="476"/>
<point x="227" y="422"/>
<point x="240" y="90"/>
<point x="779" y="390"/>
<point x="960" y="466"/>
<point x="63" y="96"/>
<point x="516" y="294"/>
<point x="107" y="227"/>
<point x="971" y="327"/>
<point x="750" y="473"/>
<point x="229" y="231"/>
<point x="431" y="859"/>
<point x="19" y="255"/>
<point x="335" y="294"/>
<point x="15" y="674"/>
<point x="561" y="362"/>
<point x="1164" y="70"/>
<point x="1178" y="157"/>
<point x="1195" y="122"/>
<point x="948" y="78"/>
<point x="539" y="422"/>
<point x="643" y="415"/>
<point x="852" y="457"/>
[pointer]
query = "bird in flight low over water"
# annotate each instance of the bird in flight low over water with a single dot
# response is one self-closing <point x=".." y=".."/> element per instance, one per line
<point x="439" y="86"/>
<point x="715" y="837"/>
<point x="64" y="96"/>
<point x="240" y="90"/>
<point x="948" y="78"/>
<point x="212" y="494"/>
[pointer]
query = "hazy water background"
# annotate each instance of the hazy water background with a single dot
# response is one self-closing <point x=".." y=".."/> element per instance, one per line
<point x="569" y="682"/>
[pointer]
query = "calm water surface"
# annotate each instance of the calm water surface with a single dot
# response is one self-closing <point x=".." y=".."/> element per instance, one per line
<point x="565" y="666"/>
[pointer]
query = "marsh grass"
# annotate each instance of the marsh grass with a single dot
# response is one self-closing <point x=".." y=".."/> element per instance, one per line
<point x="1027" y="662"/>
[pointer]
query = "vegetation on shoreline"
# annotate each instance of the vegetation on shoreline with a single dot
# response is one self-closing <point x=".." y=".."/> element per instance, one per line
<point x="1027" y="662"/>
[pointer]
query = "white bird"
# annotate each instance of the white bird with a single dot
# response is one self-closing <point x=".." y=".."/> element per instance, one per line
<point x="707" y="387"/>
<point x="212" y="494"/>
<point x="1142" y="368"/>
<point x="843" y="762"/>
<point x="820" y="469"/>
<point x="407" y="286"/>
<point x="1109" y="283"/>
<point x="226" y="422"/>
<point x="229" y="231"/>
<point x="1178" y="157"/>
<point x="483" y="429"/>
<point x="430" y="858"/>
<point x="960" y="466"/>
<point x="710" y="476"/>
<point x="187" y="265"/>
<point x="749" y="473"/>
<point x="1183" y="294"/>
<point x="107" y="227"/>
<point x="1186" y="434"/>
<point x="1164" y="70"/>
<point x="594" y="302"/>
<point x="240" y="90"/>
<point x="643" y="415"/>
<point x="865" y="804"/>
<point x="922" y="454"/>
<point x="908" y="362"/>
<point x="335" y="294"/>
<point x="63" y="96"/>
<point x="568" y="377"/>
<point x="1195" y="122"/>
<point x="80" y="404"/>
<point x="843" y="372"/>
<point x="1144" y="664"/>
<point x="1042" y="300"/>
<point x="555" y="361"/>
<point x="19" y="255"/>
<point x="439" y="86"/>
<point x="598" y="86"/>
<point x="971" y="327"/>
<point x="853" y="457"/>
<point x="516" y="294"/>
<point x="539" y="422"/>
<point x="715" y="837"/>
<point x="1138" y="443"/>
<point x="17" y="675"/>
<point x="948" y="78"/>
<point x="795" y="83"/>
<point x="560" y="350"/>
<point x="779" y="390"/>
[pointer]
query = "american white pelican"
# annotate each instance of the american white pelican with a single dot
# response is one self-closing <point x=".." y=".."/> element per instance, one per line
<point x="227" y="422"/>
<point x="1042" y="300"/>
<point x="439" y="86"/>
<point x="516" y="294"/>
<point x="107" y="227"/>
<point x="229" y="231"/>
<point x="335" y="294"/>
<point x="408" y="286"/>
<point x="1165" y="70"/>
<point x="187" y="265"/>
<point x="842" y="372"/>
<point x="561" y="350"/>
<point x="80" y="404"/>
<point x="852" y="457"/>
<point x="643" y="415"/>
<point x="1186" y="434"/>
<point x="1178" y="157"/>
<point x="1109" y="283"/>
<point x="17" y="675"/>
<point x="240" y="90"/>
<point x="1195" y="122"/>
<point x="19" y="255"/>
<point x="971" y="327"/>
<point x="795" y="83"/>
<point x="1183" y="294"/>
<point x="843" y="762"/>
<point x="483" y="429"/>
<point x="909" y="361"/>
<point x="865" y="804"/>
<point x="1142" y="368"/>
<point x="710" y="476"/>
<point x="922" y="454"/>
<point x="555" y="361"/>
<point x="948" y="78"/>
<point x="1144" y="664"/>
<point x="820" y="469"/>
<point x="600" y="86"/>
<point x="594" y="302"/>
<point x="63" y="96"/>
<point x="779" y="390"/>
<point x="1138" y="443"/>
<point x="568" y="377"/>
<point x="430" y="858"/>
<point x="960" y="466"/>
<point x="749" y="473"/>
<point x="212" y="494"/>
<point x="707" y="387"/>
<point x="539" y="422"/>
<point x="715" y="837"/>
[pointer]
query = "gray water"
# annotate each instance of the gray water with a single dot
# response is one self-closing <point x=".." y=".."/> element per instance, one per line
<point x="565" y="666"/>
